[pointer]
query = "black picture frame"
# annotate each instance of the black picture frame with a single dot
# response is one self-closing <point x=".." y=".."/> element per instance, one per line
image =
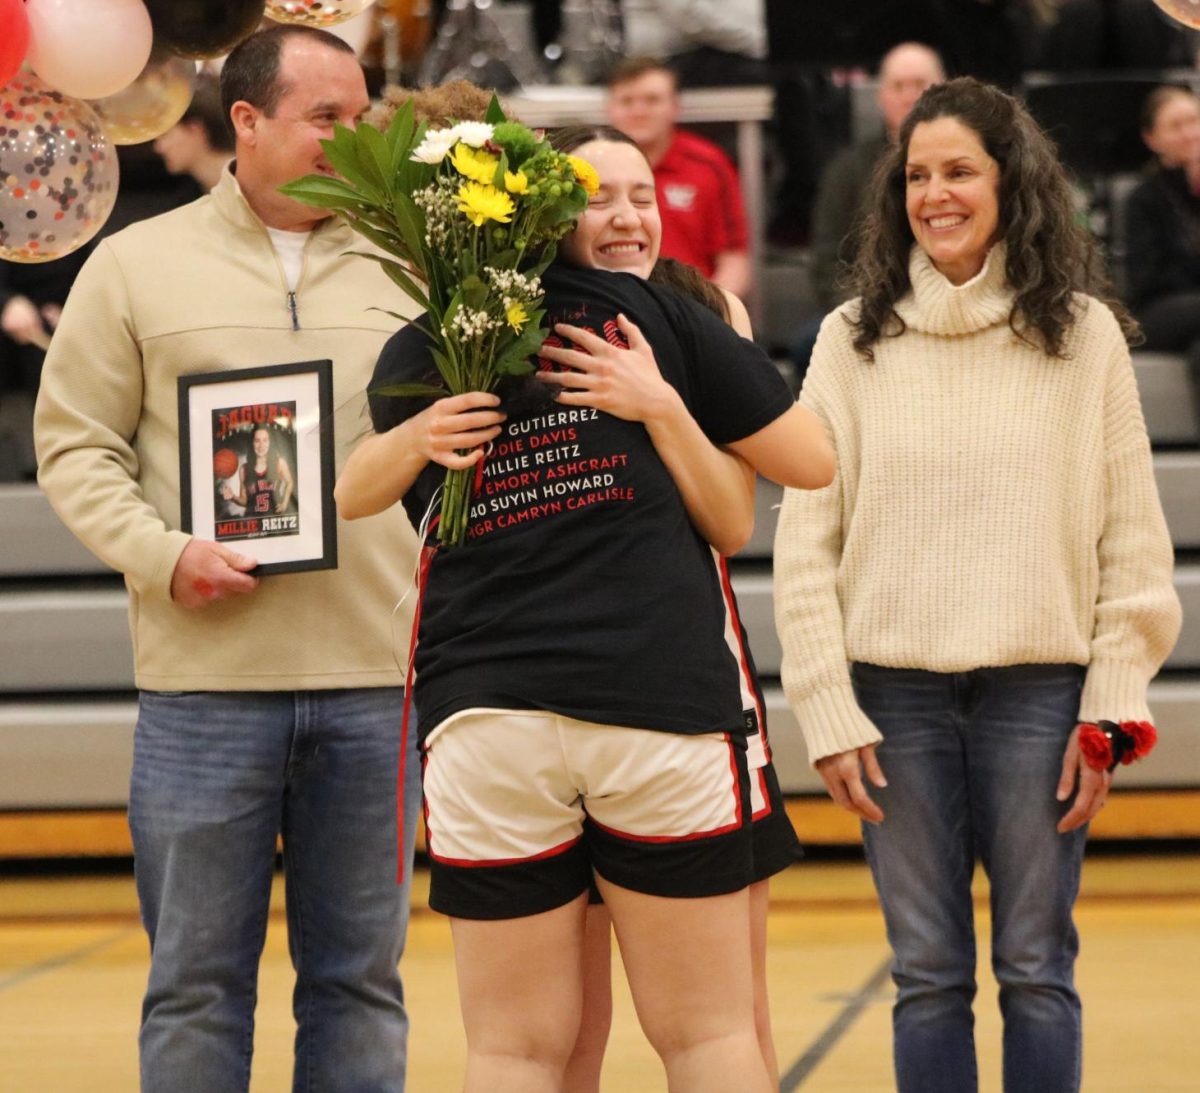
<point x="256" y="464"/>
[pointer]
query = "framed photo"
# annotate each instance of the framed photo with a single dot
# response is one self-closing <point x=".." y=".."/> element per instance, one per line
<point x="256" y="463"/>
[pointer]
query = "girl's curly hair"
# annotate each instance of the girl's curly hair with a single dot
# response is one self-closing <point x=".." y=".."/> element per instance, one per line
<point x="1049" y="255"/>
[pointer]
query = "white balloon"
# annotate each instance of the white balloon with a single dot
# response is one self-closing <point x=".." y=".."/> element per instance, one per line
<point x="88" y="48"/>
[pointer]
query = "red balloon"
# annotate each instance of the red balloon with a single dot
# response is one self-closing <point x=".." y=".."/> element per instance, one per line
<point x="14" y="38"/>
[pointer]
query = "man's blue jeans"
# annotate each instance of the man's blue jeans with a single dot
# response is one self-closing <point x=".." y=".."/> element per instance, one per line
<point x="972" y="761"/>
<point x="217" y="776"/>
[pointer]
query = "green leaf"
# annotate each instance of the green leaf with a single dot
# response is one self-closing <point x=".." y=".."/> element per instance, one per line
<point x="374" y="158"/>
<point x="410" y="220"/>
<point x="399" y="276"/>
<point x="342" y="153"/>
<point x="410" y="390"/>
<point x="494" y="115"/>
<point x="399" y="137"/>
<point x="323" y="192"/>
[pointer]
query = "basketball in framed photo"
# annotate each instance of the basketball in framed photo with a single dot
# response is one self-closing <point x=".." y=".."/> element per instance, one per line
<point x="256" y="463"/>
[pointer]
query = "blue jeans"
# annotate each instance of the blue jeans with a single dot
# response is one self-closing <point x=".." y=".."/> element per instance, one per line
<point x="972" y="761"/>
<point x="217" y="776"/>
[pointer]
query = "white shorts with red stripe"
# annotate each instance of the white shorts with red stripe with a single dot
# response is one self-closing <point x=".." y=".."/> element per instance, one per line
<point x="522" y="805"/>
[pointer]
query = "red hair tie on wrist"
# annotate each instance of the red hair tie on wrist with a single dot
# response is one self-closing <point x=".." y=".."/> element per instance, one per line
<point x="1104" y="744"/>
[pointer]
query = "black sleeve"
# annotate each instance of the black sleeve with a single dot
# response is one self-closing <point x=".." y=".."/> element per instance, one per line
<point x="405" y="359"/>
<point x="737" y="388"/>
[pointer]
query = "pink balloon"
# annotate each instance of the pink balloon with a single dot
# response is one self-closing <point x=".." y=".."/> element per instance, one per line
<point x="14" y="38"/>
<point x="58" y="172"/>
<point x="88" y="48"/>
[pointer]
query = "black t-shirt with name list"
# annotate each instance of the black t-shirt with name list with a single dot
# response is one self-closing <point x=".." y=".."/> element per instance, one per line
<point x="583" y="587"/>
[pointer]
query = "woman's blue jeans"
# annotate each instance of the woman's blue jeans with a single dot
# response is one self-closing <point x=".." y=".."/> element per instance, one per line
<point x="972" y="761"/>
<point x="217" y="776"/>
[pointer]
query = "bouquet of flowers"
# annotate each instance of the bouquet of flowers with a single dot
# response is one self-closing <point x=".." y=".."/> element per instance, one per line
<point x="467" y="218"/>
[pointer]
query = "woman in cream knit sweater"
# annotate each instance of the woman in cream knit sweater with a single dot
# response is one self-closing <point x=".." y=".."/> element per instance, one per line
<point x="989" y="569"/>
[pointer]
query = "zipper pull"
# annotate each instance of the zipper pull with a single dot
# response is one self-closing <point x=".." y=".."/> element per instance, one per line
<point x="291" y="303"/>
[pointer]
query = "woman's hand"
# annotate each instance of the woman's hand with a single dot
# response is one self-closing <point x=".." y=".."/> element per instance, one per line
<point x="382" y="469"/>
<point x="842" y="774"/>
<point x="623" y="382"/>
<point x="1093" y="787"/>
<point x="458" y="423"/>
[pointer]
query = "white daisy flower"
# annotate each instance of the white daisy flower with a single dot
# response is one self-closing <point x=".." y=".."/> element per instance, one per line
<point x="474" y="133"/>
<point x="435" y="145"/>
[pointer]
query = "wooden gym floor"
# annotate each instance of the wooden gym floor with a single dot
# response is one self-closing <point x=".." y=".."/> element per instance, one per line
<point x="73" y="963"/>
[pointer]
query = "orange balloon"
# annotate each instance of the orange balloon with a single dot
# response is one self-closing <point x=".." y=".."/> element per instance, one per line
<point x="1186" y="12"/>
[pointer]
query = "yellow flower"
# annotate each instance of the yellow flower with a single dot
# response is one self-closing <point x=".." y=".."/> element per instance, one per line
<point x="586" y="174"/>
<point x="516" y="315"/>
<point x="481" y="203"/>
<point x="476" y="165"/>
<point x="516" y="184"/>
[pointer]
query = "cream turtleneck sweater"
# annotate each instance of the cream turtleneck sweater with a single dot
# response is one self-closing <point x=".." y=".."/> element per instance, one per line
<point x="992" y="506"/>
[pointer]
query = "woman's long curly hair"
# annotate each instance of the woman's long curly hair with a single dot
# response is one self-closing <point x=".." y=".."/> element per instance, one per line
<point x="1049" y="256"/>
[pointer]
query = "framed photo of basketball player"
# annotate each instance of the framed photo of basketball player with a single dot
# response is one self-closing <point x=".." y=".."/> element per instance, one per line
<point x="256" y="463"/>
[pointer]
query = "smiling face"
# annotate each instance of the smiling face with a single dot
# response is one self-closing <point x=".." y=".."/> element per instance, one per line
<point x="621" y="229"/>
<point x="320" y="86"/>
<point x="952" y="196"/>
<point x="262" y="443"/>
<point x="1175" y="135"/>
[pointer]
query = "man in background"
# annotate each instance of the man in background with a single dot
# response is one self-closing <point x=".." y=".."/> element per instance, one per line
<point x="904" y="74"/>
<point x="200" y="143"/>
<point x="699" y="199"/>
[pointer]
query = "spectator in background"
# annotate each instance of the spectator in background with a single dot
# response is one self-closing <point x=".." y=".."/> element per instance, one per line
<point x="704" y="223"/>
<point x="31" y="299"/>
<point x="200" y="143"/>
<point x="1163" y="226"/>
<point x="904" y="74"/>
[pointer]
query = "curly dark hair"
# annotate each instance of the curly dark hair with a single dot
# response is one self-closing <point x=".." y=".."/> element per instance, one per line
<point x="1050" y="255"/>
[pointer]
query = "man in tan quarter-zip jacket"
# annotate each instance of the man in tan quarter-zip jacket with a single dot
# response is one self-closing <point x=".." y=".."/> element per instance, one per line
<point x="267" y="705"/>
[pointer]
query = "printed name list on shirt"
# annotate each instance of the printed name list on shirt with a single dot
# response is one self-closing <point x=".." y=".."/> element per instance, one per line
<point x="546" y="465"/>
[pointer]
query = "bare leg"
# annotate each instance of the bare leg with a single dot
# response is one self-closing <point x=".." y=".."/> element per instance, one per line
<point x="688" y="963"/>
<point x="583" y="1068"/>
<point x="520" y="988"/>
<point x="758" y="954"/>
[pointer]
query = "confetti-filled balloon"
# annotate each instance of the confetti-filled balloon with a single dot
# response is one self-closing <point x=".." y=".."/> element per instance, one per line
<point x="58" y="172"/>
<point x="1186" y="12"/>
<point x="203" y="28"/>
<point x="88" y="48"/>
<point x="150" y="105"/>
<point x="14" y="38"/>
<point x="315" y="13"/>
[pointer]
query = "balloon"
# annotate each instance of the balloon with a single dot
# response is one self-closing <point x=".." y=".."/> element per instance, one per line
<point x="203" y="28"/>
<point x="315" y="13"/>
<point x="150" y="105"/>
<point x="1186" y="12"/>
<point x="88" y="48"/>
<point x="58" y="172"/>
<point x="14" y="38"/>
